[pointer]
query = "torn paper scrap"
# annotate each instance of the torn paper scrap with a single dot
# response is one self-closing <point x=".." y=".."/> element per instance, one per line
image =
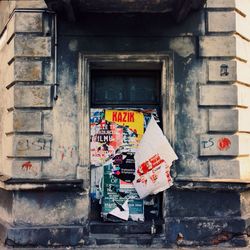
<point x="121" y="211"/>
<point x="154" y="142"/>
<point x="153" y="159"/>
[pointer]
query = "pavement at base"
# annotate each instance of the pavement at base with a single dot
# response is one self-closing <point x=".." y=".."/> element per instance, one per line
<point x="107" y="247"/>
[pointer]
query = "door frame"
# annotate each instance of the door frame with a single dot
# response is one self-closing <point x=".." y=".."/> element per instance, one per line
<point x="123" y="61"/>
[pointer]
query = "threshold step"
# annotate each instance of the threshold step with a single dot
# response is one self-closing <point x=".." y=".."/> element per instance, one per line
<point x="135" y="239"/>
<point x="124" y="228"/>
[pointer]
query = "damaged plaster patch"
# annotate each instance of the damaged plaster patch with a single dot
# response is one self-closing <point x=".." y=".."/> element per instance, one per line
<point x="183" y="46"/>
<point x="73" y="45"/>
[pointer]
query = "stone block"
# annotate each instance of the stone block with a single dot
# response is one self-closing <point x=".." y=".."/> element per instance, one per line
<point x="221" y="3"/>
<point x="3" y="39"/>
<point x="223" y="120"/>
<point x="224" y="145"/>
<point x="230" y="169"/>
<point x="242" y="6"/>
<point x="28" y="169"/>
<point x="204" y="203"/>
<point x="28" y="70"/>
<point x="51" y="208"/>
<point x="229" y="120"/>
<point x="25" y="22"/>
<point x="4" y="14"/>
<point x="204" y="230"/>
<point x="24" y="121"/>
<point x="28" y="22"/>
<point x="29" y="97"/>
<point x="222" y="71"/>
<point x="31" y="46"/>
<point x="224" y="46"/>
<point x="224" y="95"/>
<point x="29" y="145"/>
<point x="38" y="4"/>
<point x="222" y="21"/>
<point x="228" y="71"/>
<point x="24" y="71"/>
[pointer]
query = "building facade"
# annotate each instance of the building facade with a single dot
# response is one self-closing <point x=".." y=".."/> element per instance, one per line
<point x="56" y="60"/>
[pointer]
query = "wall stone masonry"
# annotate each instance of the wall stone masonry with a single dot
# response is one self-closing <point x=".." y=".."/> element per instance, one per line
<point x="26" y="48"/>
<point x="24" y="121"/>
<point x="226" y="48"/>
<point x="24" y="168"/>
<point x="230" y="169"/>
<point x="29" y="146"/>
<point x="224" y="95"/>
<point x="229" y="120"/>
<point x="44" y="157"/>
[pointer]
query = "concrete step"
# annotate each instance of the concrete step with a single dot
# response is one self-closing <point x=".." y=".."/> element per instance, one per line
<point x="129" y="227"/>
<point x="127" y="239"/>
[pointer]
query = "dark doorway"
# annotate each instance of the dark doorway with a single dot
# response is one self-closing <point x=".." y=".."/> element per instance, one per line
<point x="124" y="90"/>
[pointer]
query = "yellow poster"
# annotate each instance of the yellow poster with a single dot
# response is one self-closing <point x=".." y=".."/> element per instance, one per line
<point x="133" y="119"/>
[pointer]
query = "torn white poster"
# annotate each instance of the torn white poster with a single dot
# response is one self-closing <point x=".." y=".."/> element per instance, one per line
<point x="121" y="211"/>
<point x="153" y="159"/>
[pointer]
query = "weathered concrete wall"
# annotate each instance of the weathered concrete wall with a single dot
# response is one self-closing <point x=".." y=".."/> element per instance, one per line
<point x="40" y="137"/>
<point x="207" y="99"/>
<point x="27" y="76"/>
<point x="121" y="33"/>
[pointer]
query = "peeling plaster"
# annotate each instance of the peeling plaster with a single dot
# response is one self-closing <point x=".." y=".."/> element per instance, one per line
<point x="183" y="46"/>
<point x="73" y="45"/>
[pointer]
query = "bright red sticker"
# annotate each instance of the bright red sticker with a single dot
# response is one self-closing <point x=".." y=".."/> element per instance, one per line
<point x="224" y="143"/>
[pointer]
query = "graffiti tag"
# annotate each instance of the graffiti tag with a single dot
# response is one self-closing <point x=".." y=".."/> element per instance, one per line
<point x="224" y="144"/>
<point x="37" y="144"/>
<point x="27" y="165"/>
<point x="208" y="144"/>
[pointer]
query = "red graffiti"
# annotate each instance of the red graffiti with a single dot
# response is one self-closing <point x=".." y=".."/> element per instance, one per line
<point x="27" y="165"/>
<point x="224" y="144"/>
<point x="62" y="156"/>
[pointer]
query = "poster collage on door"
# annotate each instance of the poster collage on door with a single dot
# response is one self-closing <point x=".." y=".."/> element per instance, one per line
<point x="130" y="159"/>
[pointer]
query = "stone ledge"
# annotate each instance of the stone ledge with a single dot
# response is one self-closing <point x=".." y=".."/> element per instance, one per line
<point x="11" y="184"/>
<point x="198" y="183"/>
<point x="13" y="235"/>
